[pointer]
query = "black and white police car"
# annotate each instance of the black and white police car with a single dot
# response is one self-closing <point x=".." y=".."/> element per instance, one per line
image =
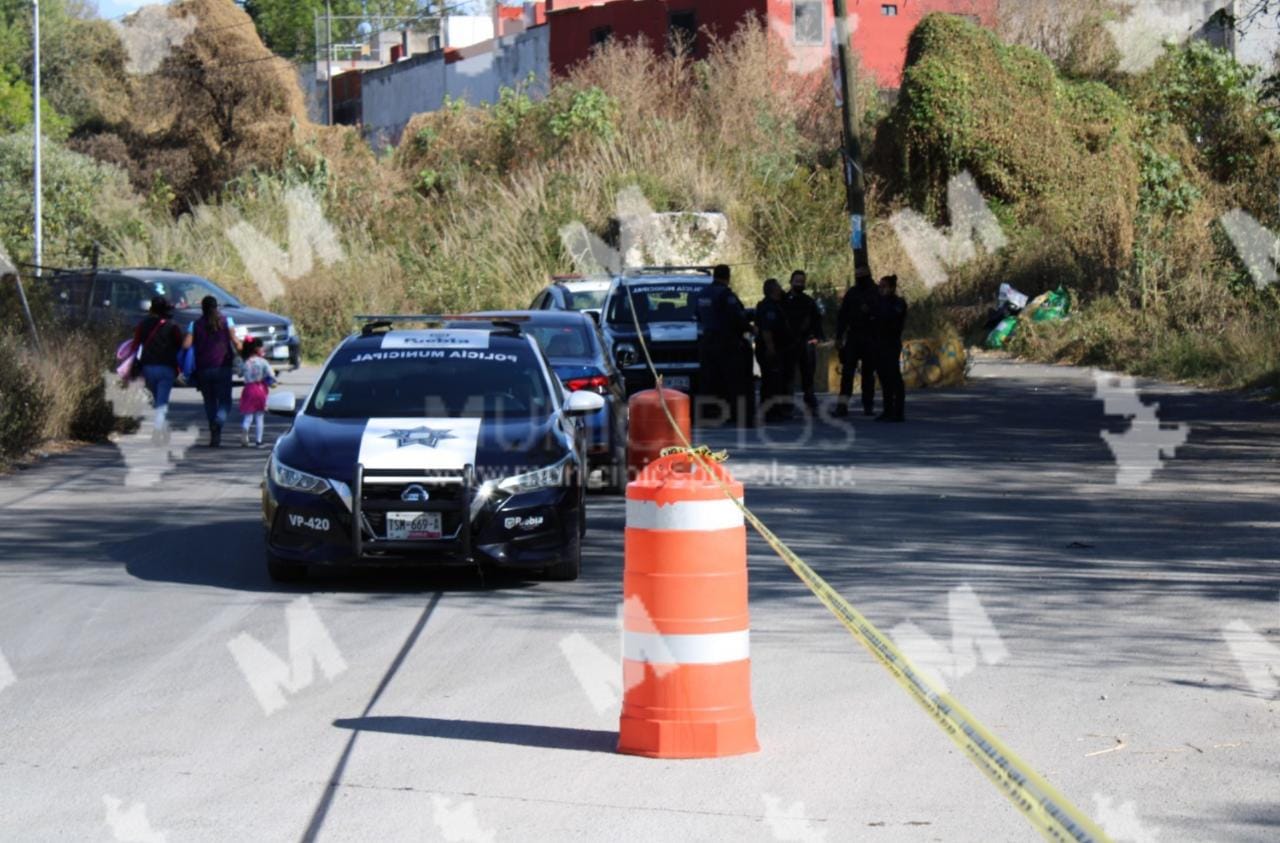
<point x="431" y="446"/>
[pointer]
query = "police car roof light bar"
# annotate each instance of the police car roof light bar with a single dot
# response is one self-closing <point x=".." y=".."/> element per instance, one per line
<point x="638" y="270"/>
<point x="375" y="323"/>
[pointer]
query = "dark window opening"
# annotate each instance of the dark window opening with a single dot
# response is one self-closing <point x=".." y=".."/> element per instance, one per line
<point x="889" y="10"/>
<point x="601" y="35"/>
<point x="682" y="30"/>
<point x="807" y="21"/>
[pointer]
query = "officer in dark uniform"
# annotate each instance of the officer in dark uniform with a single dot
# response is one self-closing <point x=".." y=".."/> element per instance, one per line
<point x="855" y="339"/>
<point x="772" y="345"/>
<point x="723" y="350"/>
<point x="804" y="323"/>
<point x="891" y="318"/>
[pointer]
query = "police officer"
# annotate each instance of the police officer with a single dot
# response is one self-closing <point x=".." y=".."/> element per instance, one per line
<point x="891" y="318"/>
<point x="856" y="342"/>
<point x="772" y="345"/>
<point x="723" y="351"/>
<point x="804" y="324"/>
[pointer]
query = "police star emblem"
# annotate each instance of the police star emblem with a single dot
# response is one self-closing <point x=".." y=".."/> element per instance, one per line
<point x="425" y="436"/>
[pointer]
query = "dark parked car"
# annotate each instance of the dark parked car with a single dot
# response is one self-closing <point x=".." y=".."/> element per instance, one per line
<point x="120" y="297"/>
<point x="575" y="349"/>
<point x="667" y="309"/>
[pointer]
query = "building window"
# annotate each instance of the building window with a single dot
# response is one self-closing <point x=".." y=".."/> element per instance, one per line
<point x="807" y="21"/>
<point x="682" y="30"/>
<point x="600" y="35"/>
<point x="889" y="10"/>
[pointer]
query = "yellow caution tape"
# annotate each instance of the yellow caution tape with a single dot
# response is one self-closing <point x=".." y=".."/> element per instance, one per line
<point x="701" y="451"/>
<point x="1051" y="813"/>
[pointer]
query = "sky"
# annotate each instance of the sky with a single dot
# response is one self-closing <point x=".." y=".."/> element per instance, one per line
<point x="116" y="8"/>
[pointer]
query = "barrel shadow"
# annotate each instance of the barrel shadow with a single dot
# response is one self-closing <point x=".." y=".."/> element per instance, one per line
<point x="515" y="734"/>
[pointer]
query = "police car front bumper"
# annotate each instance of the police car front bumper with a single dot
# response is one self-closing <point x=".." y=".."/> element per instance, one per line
<point x="528" y="531"/>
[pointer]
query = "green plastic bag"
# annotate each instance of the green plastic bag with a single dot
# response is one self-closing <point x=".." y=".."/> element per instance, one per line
<point x="1054" y="308"/>
<point x="1001" y="333"/>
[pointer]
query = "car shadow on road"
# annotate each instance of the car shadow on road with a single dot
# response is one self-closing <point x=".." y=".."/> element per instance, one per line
<point x="515" y="734"/>
<point x="228" y="554"/>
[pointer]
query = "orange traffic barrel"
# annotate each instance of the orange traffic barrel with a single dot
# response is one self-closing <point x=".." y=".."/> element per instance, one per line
<point x="686" y="631"/>
<point x="650" y="429"/>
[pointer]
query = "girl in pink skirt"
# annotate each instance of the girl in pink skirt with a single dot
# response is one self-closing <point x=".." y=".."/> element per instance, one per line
<point x="258" y="380"/>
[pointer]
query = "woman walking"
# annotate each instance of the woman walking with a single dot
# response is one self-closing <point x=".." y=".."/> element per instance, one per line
<point x="216" y="346"/>
<point x="160" y="339"/>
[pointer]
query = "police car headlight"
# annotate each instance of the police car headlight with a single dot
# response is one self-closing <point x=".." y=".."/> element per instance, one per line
<point x="543" y="478"/>
<point x="290" y="478"/>
<point x="626" y="354"/>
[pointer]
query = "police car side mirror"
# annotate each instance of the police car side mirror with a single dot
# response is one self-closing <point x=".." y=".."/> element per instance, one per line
<point x="583" y="403"/>
<point x="282" y="404"/>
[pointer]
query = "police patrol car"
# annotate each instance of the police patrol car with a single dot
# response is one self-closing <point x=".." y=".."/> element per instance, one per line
<point x="431" y="447"/>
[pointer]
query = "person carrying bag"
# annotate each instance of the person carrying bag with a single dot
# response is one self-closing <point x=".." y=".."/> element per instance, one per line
<point x="215" y="345"/>
<point x="159" y="340"/>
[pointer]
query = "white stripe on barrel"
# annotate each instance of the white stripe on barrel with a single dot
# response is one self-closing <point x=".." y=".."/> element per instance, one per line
<point x="689" y="516"/>
<point x="709" y="648"/>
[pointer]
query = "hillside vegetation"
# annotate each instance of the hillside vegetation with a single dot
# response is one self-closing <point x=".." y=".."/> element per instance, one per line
<point x="1111" y="185"/>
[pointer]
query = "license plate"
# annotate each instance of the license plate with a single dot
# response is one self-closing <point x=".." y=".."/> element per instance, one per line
<point x="280" y="352"/>
<point x="414" y="526"/>
<point x="680" y="382"/>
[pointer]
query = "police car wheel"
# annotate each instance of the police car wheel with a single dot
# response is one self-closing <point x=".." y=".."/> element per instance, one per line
<point x="568" y="568"/>
<point x="281" y="571"/>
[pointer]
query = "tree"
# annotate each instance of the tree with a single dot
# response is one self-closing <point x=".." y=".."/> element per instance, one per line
<point x="82" y="64"/>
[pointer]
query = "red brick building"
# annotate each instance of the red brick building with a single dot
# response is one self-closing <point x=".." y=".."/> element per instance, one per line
<point x="880" y="27"/>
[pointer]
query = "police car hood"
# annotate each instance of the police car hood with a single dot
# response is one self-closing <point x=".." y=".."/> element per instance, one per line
<point x="333" y="447"/>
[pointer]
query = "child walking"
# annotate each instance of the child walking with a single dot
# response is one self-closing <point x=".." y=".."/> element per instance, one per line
<point x="258" y="379"/>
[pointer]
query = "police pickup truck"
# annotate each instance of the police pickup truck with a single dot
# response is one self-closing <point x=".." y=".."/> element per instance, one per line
<point x="666" y="306"/>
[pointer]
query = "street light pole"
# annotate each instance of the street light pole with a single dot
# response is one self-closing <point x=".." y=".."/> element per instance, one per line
<point x="855" y="188"/>
<point x="39" y="191"/>
<point x="328" y="52"/>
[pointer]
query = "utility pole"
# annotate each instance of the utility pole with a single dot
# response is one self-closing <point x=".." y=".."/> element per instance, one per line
<point x="328" y="51"/>
<point x="38" y="251"/>
<point x="855" y="188"/>
<point x="35" y="86"/>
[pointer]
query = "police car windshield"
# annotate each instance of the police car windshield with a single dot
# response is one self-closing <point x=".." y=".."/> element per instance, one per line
<point x="431" y="382"/>
<point x="587" y="299"/>
<point x="667" y="302"/>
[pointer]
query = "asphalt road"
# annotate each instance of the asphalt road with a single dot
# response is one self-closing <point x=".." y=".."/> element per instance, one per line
<point x="456" y="709"/>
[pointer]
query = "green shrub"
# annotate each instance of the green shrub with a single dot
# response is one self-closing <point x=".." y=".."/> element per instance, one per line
<point x="23" y="409"/>
<point x="85" y="202"/>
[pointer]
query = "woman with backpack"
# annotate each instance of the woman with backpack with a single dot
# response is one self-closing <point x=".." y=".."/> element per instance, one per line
<point x="215" y="348"/>
<point x="159" y="340"/>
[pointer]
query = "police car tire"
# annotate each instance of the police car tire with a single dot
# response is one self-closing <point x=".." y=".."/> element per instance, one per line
<point x="281" y="571"/>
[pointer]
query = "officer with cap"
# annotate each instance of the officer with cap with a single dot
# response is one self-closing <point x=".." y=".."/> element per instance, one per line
<point x="891" y="318"/>
<point x="856" y="342"/>
<point x="804" y="324"/>
<point x="723" y="351"/>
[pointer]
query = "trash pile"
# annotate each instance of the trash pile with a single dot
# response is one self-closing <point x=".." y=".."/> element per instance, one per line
<point x="1011" y="305"/>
